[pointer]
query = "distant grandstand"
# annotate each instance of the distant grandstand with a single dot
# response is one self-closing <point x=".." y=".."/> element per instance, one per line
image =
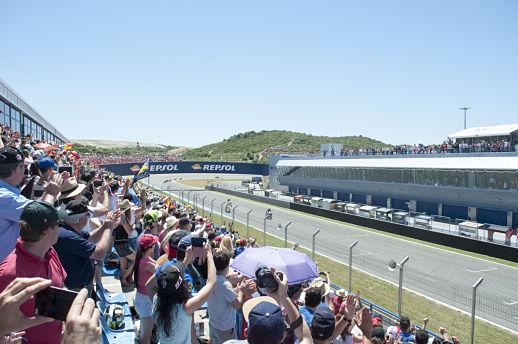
<point x="479" y="187"/>
<point x="17" y="114"/>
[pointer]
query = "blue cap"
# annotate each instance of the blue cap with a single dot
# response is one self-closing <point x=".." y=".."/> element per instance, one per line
<point x="45" y="163"/>
<point x="265" y="320"/>
<point x="185" y="241"/>
<point x="323" y="324"/>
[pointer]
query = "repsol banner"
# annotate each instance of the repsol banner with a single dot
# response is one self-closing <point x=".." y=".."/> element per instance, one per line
<point x="189" y="167"/>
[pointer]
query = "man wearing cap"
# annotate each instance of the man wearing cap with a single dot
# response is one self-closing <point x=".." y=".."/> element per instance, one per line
<point x="34" y="256"/>
<point x="46" y="165"/>
<point x="78" y="248"/>
<point x="12" y="203"/>
<point x="266" y="323"/>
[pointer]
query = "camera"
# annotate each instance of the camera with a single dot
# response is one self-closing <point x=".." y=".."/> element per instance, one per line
<point x="266" y="279"/>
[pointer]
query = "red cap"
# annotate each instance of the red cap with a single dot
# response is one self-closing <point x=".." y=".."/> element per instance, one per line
<point x="218" y="238"/>
<point x="147" y="240"/>
<point x="376" y="321"/>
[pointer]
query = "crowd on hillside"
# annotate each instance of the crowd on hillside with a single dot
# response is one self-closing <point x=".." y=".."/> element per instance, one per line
<point x="57" y="230"/>
<point x="102" y="159"/>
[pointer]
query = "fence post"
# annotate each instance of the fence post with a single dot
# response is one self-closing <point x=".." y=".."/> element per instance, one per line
<point x="351" y="265"/>
<point x="233" y="215"/>
<point x="473" y="306"/>
<point x="212" y="208"/>
<point x="400" y="295"/>
<point x="221" y="213"/>
<point x="286" y="234"/>
<point x="313" y="244"/>
<point x="248" y="224"/>
<point x="203" y="204"/>
<point x="188" y="196"/>
<point x="264" y="230"/>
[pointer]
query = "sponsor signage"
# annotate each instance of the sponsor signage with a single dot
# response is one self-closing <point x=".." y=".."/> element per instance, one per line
<point x="190" y="167"/>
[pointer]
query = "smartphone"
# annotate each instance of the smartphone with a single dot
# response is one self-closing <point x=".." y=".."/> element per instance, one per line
<point x="68" y="169"/>
<point x="198" y="242"/>
<point x="54" y="302"/>
<point x="197" y="247"/>
<point x="98" y="183"/>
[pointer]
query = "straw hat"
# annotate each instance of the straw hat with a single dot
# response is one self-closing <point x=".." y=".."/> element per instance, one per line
<point x="71" y="188"/>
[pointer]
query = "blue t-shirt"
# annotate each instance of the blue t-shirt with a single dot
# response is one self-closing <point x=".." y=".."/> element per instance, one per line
<point x="186" y="275"/>
<point x="74" y="251"/>
<point x="11" y="207"/>
<point x="406" y="337"/>
<point x="307" y="314"/>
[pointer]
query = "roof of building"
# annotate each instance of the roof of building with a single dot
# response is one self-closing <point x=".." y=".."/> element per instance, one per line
<point x="457" y="163"/>
<point x="14" y="98"/>
<point x="495" y="130"/>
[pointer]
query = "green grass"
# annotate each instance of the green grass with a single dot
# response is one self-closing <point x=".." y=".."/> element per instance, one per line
<point x="385" y="295"/>
<point x="254" y="146"/>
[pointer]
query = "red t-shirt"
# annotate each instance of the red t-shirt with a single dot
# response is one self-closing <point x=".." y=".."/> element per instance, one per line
<point x="22" y="263"/>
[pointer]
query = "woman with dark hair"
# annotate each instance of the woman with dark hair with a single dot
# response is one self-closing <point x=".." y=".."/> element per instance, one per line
<point x="173" y="306"/>
<point x="144" y="269"/>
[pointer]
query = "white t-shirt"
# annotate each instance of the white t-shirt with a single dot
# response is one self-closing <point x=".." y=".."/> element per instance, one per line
<point x="222" y="315"/>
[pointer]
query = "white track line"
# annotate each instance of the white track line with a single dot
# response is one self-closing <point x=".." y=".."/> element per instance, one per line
<point x="381" y="278"/>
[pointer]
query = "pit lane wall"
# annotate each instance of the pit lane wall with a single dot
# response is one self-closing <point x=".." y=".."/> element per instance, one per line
<point x="463" y="243"/>
<point x="190" y="167"/>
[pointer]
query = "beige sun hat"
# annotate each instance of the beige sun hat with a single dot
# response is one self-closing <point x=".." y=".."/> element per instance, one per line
<point x="71" y="188"/>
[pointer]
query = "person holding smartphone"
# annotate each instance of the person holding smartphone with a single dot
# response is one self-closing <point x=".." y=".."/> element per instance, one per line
<point x="174" y="305"/>
<point x="34" y="256"/>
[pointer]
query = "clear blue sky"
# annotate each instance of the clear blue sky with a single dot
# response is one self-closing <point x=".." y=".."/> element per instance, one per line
<point x="195" y="72"/>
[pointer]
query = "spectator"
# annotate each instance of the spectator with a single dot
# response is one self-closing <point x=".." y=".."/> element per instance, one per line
<point x="82" y="323"/>
<point x="77" y="248"/>
<point x="11" y="202"/>
<point x="121" y="235"/>
<point x="144" y="269"/>
<point x="222" y="304"/>
<point x="173" y="305"/>
<point x="421" y="337"/>
<point x="34" y="256"/>
<point x="265" y="320"/>
<point x="406" y="331"/>
<point x="152" y="226"/>
<point x="312" y="298"/>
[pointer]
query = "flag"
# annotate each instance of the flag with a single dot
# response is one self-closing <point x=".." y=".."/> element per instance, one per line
<point x="143" y="172"/>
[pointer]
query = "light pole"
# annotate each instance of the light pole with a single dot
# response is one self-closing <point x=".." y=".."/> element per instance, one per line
<point x="392" y="266"/>
<point x="203" y="204"/>
<point x="248" y="223"/>
<point x="233" y="215"/>
<point x="313" y="244"/>
<point x="351" y="265"/>
<point x="279" y="227"/>
<point x="473" y="306"/>
<point x="465" y="109"/>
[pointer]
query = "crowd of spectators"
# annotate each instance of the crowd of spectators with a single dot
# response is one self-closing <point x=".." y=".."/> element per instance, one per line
<point x="57" y="230"/>
<point x="102" y="159"/>
<point x="446" y="147"/>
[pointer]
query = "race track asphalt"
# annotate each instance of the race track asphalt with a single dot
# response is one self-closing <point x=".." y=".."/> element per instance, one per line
<point x="440" y="274"/>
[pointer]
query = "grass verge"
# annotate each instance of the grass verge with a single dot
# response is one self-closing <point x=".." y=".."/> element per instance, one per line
<point x="385" y="295"/>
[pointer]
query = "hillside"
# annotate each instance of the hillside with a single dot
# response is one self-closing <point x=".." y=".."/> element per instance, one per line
<point x="122" y="147"/>
<point x="257" y="146"/>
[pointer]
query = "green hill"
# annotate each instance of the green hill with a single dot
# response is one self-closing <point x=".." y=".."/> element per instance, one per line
<point x="257" y="146"/>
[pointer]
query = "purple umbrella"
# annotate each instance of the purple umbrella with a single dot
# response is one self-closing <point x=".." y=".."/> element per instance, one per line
<point x="296" y="265"/>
